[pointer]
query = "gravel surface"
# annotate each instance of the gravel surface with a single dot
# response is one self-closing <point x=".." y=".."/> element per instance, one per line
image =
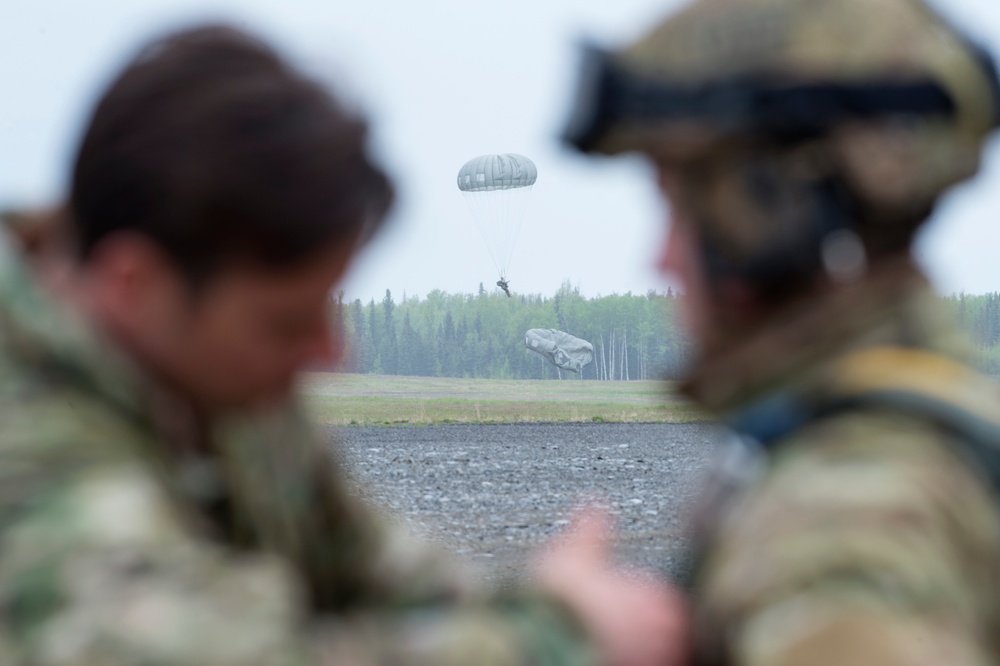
<point x="495" y="492"/>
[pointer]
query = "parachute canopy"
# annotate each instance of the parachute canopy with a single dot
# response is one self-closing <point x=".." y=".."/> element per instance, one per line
<point x="496" y="187"/>
<point x="560" y="348"/>
<point x="487" y="173"/>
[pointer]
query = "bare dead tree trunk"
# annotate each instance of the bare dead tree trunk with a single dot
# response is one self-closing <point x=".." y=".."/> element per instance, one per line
<point x="614" y="350"/>
<point x="625" y="354"/>
<point x="614" y="357"/>
<point x="604" y="361"/>
<point x="621" y="363"/>
<point x="597" y="361"/>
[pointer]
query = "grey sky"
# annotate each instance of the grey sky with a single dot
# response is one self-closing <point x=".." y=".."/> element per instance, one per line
<point x="444" y="81"/>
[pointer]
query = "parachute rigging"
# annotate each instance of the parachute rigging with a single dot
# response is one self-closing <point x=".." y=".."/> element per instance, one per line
<point x="496" y="188"/>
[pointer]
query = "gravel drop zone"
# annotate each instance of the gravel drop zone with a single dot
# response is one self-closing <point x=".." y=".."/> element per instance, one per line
<point x="494" y="493"/>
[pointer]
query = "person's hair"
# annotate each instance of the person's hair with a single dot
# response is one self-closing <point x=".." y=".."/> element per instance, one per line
<point x="216" y="149"/>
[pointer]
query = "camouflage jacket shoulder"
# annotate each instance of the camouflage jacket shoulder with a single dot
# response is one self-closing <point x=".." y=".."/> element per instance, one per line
<point x="866" y="535"/>
<point x="866" y="531"/>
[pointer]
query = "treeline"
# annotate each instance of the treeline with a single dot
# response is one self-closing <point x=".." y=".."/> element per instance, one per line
<point x="979" y="316"/>
<point x="482" y="335"/>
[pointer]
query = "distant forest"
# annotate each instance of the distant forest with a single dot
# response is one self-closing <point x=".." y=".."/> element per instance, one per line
<point x="979" y="317"/>
<point x="482" y="335"/>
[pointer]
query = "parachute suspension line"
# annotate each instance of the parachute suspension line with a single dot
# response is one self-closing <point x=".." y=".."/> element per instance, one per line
<point x="494" y="200"/>
<point x="490" y="212"/>
<point x="502" y="229"/>
<point x="520" y="204"/>
<point x="480" y="213"/>
<point x="496" y="229"/>
<point x="504" y="223"/>
<point x="506" y="228"/>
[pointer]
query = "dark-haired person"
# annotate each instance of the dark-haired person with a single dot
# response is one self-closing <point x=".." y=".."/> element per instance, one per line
<point x="801" y="145"/>
<point x="163" y="500"/>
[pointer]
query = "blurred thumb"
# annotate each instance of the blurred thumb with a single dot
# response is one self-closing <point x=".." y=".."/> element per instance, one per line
<point x="590" y="531"/>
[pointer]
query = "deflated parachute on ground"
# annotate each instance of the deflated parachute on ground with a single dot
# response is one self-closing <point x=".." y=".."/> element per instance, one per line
<point x="560" y="348"/>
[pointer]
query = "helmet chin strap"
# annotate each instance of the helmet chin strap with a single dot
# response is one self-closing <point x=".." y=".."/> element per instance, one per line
<point x="798" y="252"/>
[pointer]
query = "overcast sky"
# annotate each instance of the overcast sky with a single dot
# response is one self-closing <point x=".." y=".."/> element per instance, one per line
<point x="443" y="81"/>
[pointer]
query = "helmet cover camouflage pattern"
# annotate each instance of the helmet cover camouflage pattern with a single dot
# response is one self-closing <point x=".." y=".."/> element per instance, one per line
<point x="883" y="94"/>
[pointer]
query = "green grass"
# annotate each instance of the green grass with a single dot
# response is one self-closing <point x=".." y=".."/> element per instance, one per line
<point x="344" y="399"/>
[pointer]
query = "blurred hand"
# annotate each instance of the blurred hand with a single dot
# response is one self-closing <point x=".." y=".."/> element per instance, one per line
<point x="635" y="619"/>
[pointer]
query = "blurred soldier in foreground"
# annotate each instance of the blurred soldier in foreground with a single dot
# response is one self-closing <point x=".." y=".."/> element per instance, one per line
<point x="162" y="498"/>
<point x="800" y="145"/>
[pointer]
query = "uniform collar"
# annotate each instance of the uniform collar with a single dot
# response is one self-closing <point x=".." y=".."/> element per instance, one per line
<point x="791" y="353"/>
<point x="50" y="338"/>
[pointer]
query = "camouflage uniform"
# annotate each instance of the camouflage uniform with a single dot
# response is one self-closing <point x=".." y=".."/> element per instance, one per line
<point x="132" y="534"/>
<point x="862" y="537"/>
<point x="804" y="142"/>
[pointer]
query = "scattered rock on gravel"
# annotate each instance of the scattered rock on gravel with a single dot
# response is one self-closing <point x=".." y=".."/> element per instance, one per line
<point x="493" y="493"/>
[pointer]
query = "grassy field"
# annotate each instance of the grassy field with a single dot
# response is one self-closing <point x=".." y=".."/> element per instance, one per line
<point x="344" y="399"/>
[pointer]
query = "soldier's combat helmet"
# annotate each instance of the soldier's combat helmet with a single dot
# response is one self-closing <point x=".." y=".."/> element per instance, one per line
<point x="796" y="121"/>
